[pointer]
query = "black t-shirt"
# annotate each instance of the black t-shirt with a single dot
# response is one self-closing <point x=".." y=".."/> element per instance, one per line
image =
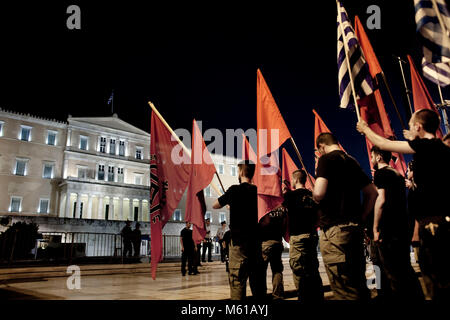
<point x="243" y="202"/>
<point x="342" y="201"/>
<point x="301" y="211"/>
<point x="273" y="225"/>
<point x="394" y="218"/>
<point x="432" y="176"/>
<point x="186" y="236"/>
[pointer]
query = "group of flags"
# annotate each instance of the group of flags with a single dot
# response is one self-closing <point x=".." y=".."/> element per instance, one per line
<point x="358" y="71"/>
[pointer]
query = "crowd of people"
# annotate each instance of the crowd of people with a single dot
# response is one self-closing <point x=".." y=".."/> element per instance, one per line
<point x="348" y="208"/>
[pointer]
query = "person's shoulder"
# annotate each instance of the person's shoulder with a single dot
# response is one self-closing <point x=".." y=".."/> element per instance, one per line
<point x="303" y="191"/>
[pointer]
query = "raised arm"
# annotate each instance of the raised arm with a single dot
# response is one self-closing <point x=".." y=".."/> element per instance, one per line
<point x="217" y="205"/>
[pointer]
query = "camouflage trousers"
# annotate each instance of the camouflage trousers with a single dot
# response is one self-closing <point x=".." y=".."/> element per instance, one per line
<point x="305" y="267"/>
<point x="271" y="253"/>
<point x="342" y="249"/>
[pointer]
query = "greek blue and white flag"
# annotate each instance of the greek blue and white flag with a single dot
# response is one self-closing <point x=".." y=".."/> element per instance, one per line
<point x="359" y="68"/>
<point x="111" y="98"/>
<point x="433" y="28"/>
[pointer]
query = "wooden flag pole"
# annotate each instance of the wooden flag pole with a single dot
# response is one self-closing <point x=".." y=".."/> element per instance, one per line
<point x="301" y="160"/>
<point x="188" y="152"/>
<point x="346" y="49"/>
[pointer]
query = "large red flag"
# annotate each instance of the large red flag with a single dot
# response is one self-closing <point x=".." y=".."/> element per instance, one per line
<point x="288" y="167"/>
<point x="201" y="175"/>
<point x="247" y="150"/>
<point x="421" y="97"/>
<point x="168" y="181"/>
<point x="372" y="107"/>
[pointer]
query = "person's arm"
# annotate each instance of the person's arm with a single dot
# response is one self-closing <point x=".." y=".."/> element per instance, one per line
<point x="217" y="205"/>
<point x="415" y="237"/>
<point x="383" y="143"/>
<point x="378" y="212"/>
<point x="370" y="195"/>
<point x="182" y="246"/>
<point x="320" y="189"/>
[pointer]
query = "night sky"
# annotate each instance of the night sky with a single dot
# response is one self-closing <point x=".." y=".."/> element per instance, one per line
<point x="196" y="60"/>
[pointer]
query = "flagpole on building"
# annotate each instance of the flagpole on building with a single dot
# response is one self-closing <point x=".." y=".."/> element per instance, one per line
<point x="407" y="91"/>
<point x="346" y="50"/>
<point x="301" y="160"/>
<point x="188" y="152"/>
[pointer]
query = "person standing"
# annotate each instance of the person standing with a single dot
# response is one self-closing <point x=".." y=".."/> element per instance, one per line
<point x="127" y="235"/>
<point x="187" y="250"/>
<point x="219" y="235"/>
<point x="303" y="239"/>
<point x="338" y="187"/>
<point x="245" y="259"/>
<point x="137" y="240"/>
<point x="391" y="231"/>
<point x="207" y="242"/>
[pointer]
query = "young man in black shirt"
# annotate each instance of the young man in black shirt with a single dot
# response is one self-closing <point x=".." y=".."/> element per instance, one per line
<point x="391" y="232"/>
<point x="338" y="186"/>
<point x="187" y="250"/>
<point x="431" y="175"/>
<point x="245" y="260"/>
<point x="303" y="239"/>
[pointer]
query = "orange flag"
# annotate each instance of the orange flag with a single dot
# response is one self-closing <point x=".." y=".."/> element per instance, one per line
<point x="372" y="106"/>
<point x="201" y="175"/>
<point x="421" y="96"/>
<point x="288" y="167"/>
<point x="247" y="150"/>
<point x="272" y="133"/>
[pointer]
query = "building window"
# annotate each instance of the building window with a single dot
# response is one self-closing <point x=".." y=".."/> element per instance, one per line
<point x="48" y="171"/>
<point x="208" y="192"/>
<point x="138" y="179"/>
<point x="1" y="128"/>
<point x="220" y="168"/>
<point x="82" y="172"/>
<point x="233" y="171"/>
<point x="112" y="146"/>
<point x="25" y="133"/>
<point x="177" y="215"/>
<point x="16" y="204"/>
<point x="208" y="216"/>
<point x="21" y="167"/>
<point x="110" y="173"/>
<point x="83" y="143"/>
<point x="222" y="217"/>
<point x="51" y="138"/>
<point x="102" y="144"/>
<point x="121" y="148"/>
<point x="101" y="172"/>
<point x="44" y="205"/>
<point x="139" y="153"/>
<point x="120" y="175"/>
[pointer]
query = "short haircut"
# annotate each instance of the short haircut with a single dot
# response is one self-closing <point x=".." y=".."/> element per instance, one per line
<point x="223" y="222"/>
<point x="326" y="138"/>
<point x="429" y="120"/>
<point x="248" y="168"/>
<point x="446" y="137"/>
<point x="299" y="175"/>
<point x="385" y="155"/>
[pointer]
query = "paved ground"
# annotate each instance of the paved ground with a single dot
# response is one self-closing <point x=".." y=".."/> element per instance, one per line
<point x="131" y="282"/>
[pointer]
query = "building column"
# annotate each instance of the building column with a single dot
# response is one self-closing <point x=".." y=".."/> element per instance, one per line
<point x="120" y="209"/>
<point x="100" y="208"/>
<point x="89" y="208"/>
<point x="111" y="208"/>
<point x="61" y="212"/>
<point x="131" y="213"/>
<point x="140" y="210"/>
<point x="77" y="211"/>
<point x="67" y="210"/>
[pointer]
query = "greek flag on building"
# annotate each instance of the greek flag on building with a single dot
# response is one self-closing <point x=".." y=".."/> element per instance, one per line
<point x="433" y="29"/>
<point x="360" y="70"/>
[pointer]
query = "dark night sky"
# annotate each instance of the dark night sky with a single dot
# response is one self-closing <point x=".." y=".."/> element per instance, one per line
<point x="195" y="61"/>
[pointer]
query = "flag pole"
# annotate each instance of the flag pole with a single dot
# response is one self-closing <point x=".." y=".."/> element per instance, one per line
<point x="441" y="21"/>
<point x="346" y="49"/>
<point x="393" y="100"/>
<point x="188" y="152"/>
<point x="444" y="112"/>
<point x="407" y="91"/>
<point x="301" y="160"/>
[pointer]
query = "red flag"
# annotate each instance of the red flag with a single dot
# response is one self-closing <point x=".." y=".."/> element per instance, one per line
<point x="288" y="167"/>
<point x="202" y="172"/>
<point x="168" y="183"/>
<point x="268" y="173"/>
<point x="247" y="151"/>
<point x="372" y="107"/>
<point x="421" y="96"/>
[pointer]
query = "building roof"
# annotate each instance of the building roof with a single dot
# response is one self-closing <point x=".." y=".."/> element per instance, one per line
<point x="113" y="122"/>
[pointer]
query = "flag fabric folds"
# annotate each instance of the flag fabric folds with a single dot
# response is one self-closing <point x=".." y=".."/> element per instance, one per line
<point x="247" y="150"/>
<point x="168" y="182"/>
<point x="359" y="69"/>
<point x="433" y="26"/>
<point x="201" y="174"/>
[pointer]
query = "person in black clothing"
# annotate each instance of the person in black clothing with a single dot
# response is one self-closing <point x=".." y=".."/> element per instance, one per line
<point x="187" y="250"/>
<point x="207" y="242"/>
<point x="137" y="240"/>
<point x="303" y="239"/>
<point x="272" y="228"/>
<point x="127" y="235"/>
<point x="391" y="232"/>
<point x="226" y="246"/>
<point x="431" y="175"/>
<point x="338" y="187"/>
<point x="245" y="259"/>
